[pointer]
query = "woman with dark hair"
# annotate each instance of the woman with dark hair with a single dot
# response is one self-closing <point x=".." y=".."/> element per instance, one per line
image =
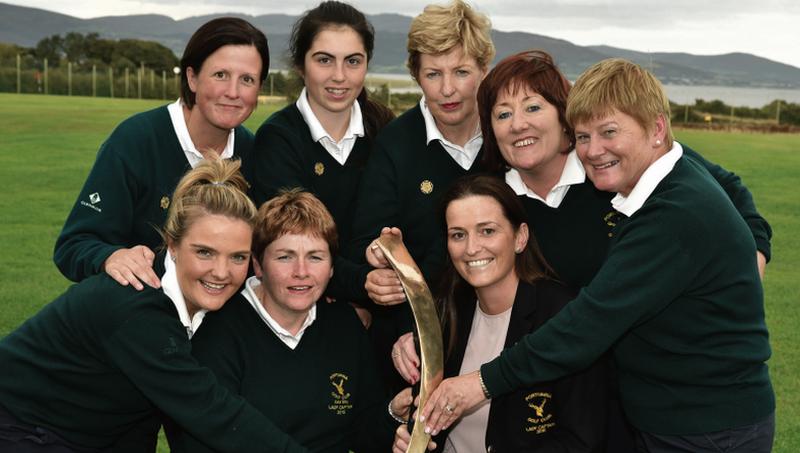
<point x="95" y="370"/>
<point x="322" y="142"/>
<point x="496" y="288"/>
<point x="112" y="227"/>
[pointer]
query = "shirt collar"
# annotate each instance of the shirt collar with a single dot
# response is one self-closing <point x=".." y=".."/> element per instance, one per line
<point x="572" y="173"/>
<point x="463" y="155"/>
<point x="354" y="129"/>
<point x="250" y="293"/>
<point x="647" y="183"/>
<point x="170" y="286"/>
<point x="179" y="125"/>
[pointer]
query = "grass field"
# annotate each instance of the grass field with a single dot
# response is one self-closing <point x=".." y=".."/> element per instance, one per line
<point x="48" y="143"/>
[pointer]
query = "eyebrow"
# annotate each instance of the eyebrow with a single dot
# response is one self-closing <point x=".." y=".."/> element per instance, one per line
<point x="294" y="252"/>
<point x="328" y="54"/>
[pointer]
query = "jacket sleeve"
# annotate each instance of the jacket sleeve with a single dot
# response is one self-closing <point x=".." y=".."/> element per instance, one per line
<point x="160" y="365"/>
<point x="614" y="302"/>
<point x="101" y="219"/>
<point x="741" y="198"/>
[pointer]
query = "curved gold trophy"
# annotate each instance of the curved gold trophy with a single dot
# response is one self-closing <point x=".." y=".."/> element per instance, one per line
<point x="430" y="333"/>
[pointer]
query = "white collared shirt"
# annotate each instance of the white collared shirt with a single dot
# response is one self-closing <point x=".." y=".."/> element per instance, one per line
<point x="249" y="292"/>
<point x="170" y="286"/>
<point x="572" y="173"/>
<point x="463" y="155"/>
<point x="338" y="150"/>
<point x="179" y="125"/>
<point x="647" y="183"/>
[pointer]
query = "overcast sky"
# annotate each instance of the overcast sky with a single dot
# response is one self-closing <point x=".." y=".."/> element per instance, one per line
<point x="768" y="28"/>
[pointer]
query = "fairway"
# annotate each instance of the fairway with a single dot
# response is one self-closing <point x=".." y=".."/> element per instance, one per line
<point x="48" y="144"/>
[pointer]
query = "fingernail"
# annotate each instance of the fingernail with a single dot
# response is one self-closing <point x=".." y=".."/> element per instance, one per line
<point x="435" y="432"/>
<point x="427" y="430"/>
<point x="421" y="418"/>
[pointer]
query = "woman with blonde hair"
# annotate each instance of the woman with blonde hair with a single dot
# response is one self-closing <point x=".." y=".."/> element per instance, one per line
<point x="419" y="154"/>
<point x="97" y="368"/>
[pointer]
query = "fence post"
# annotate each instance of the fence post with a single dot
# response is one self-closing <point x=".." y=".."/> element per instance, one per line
<point x="69" y="78"/>
<point x="153" y="82"/>
<point x="111" y="82"/>
<point x="177" y="71"/>
<point x="94" y="80"/>
<point x="140" y="73"/>
<point x="271" y="83"/>
<point x="46" y="91"/>
<point x="163" y="84"/>
<point x="127" y="81"/>
<point x="19" y="74"/>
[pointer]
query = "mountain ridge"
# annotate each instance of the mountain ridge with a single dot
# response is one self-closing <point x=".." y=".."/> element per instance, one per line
<point x="21" y="25"/>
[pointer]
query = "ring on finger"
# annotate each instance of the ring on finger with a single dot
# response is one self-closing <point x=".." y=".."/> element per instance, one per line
<point x="449" y="408"/>
<point x="395" y="354"/>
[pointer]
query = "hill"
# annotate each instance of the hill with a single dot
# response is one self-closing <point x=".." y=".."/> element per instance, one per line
<point x="26" y="26"/>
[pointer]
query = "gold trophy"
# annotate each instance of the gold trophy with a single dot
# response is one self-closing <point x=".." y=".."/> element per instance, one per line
<point x="428" y="328"/>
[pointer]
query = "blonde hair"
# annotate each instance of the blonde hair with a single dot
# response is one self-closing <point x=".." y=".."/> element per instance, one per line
<point x="618" y="84"/>
<point x="213" y="187"/>
<point x="440" y="28"/>
<point x="293" y="212"/>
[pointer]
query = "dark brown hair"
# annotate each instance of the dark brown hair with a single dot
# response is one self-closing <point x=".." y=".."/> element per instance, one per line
<point x="332" y="14"/>
<point x="212" y="35"/>
<point x="532" y="70"/>
<point x="529" y="265"/>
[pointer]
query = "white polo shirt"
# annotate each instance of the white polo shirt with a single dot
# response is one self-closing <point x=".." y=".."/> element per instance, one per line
<point x="463" y="155"/>
<point x="572" y="173"/>
<point x="647" y="183"/>
<point x="170" y="286"/>
<point x="249" y="292"/>
<point x="338" y="150"/>
<point x="193" y="155"/>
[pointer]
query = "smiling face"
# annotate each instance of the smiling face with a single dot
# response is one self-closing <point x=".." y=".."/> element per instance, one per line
<point x="482" y="244"/>
<point x="294" y="272"/>
<point x="226" y="87"/>
<point x="450" y="83"/>
<point x="616" y="150"/>
<point x="335" y="67"/>
<point x="528" y="132"/>
<point x="211" y="261"/>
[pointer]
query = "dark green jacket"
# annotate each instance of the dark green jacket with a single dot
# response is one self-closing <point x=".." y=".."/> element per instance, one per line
<point x="297" y="388"/>
<point x="103" y="359"/>
<point x="125" y="198"/>
<point x="679" y="300"/>
<point x="402" y="185"/>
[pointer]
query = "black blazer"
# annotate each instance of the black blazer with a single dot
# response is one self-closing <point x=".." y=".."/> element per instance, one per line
<point x="566" y="415"/>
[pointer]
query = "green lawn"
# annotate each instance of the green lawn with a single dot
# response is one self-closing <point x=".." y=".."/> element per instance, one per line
<point x="48" y="143"/>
